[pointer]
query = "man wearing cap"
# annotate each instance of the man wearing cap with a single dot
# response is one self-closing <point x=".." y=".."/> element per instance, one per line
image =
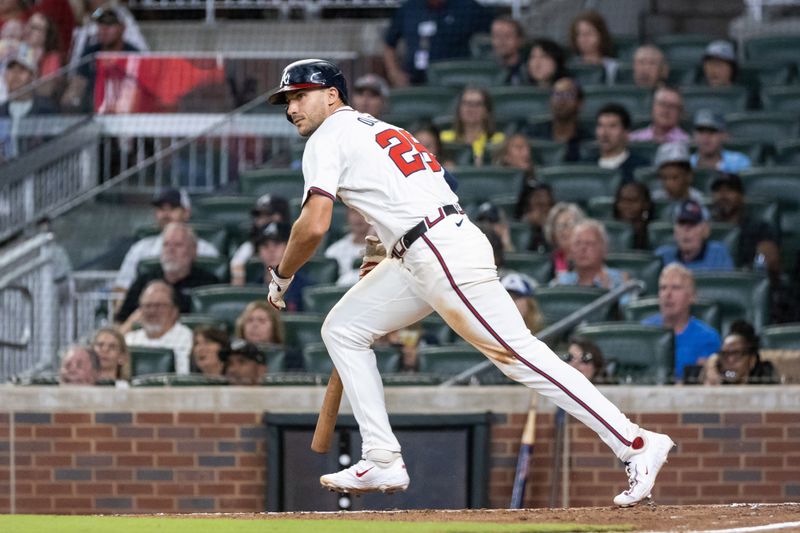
<point x="508" y="40"/>
<point x="719" y="64"/>
<point x="665" y="118"/>
<point x="709" y="135"/>
<point x="349" y="250"/>
<point x="270" y="247"/>
<point x="692" y="248"/>
<point x="171" y="205"/>
<point x="756" y="237"/>
<point x="521" y="287"/>
<point x="268" y="209"/>
<point x="371" y="95"/>
<point x="245" y="364"/>
<point x="674" y="169"/>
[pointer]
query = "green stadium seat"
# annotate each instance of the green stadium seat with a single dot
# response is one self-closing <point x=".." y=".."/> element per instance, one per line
<point x="587" y="74"/>
<point x="620" y="235"/>
<point x="434" y="327"/>
<point x="644" y="149"/>
<point x="686" y="48"/>
<point x="448" y="361"/>
<point x="213" y="233"/>
<point x="633" y="98"/>
<point x="302" y="329"/>
<point x="476" y="184"/>
<point x="640" y="354"/>
<point x="512" y="104"/>
<point x="480" y="46"/>
<point x="765" y="211"/>
<point x="538" y="266"/>
<point x="773" y="48"/>
<point x="644" y="266"/>
<point x="318" y="270"/>
<point x="683" y="73"/>
<point x="780" y="185"/>
<point x="423" y="102"/>
<point x="177" y="380"/>
<point x="562" y="300"/>
<point x="738" y="294"/>
<point x="787" y="152"/>
<point x="757" y="75"/>
<point x="225" y="302"/>
<point x="458" y="153"/>
<point x="506" y="202"/>
<point x="197" y="320"/>
<point x="215" y="265"/>
<point x="463" y="72"/>
<point x="765" y="126"/>
<point x="625" y="46"/>
<point x="276" y="357"/>
<point x="520" y="234"/>
<point x="781" y="337"/>
<point x="601" y="207"/>
<point x="317" y="361"/>
<point x="283" y="182"/>
<point x="321" y="298"/>
<point x="662" y="232"/>
<point x="146" y="360"/>
<point x="579" y="183"/>
<point x="228" y="210"/>
<point x="546" y="152"/>
<point x="719" y="99"/>
<point x="639" y="309"/>
<point x="780" y="98"/>
<point x="752" y="148"/>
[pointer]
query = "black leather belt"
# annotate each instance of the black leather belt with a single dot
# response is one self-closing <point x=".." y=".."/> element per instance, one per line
<point x="405" y="242"/>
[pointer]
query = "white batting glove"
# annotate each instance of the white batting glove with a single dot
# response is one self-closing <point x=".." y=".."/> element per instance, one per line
<point x="374" y="253"/>
<point x="277" y="289"/>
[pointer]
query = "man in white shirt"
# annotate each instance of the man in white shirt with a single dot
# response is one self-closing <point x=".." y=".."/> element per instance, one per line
<point x="172" y="205"/>
<point x="349" y="248"/>
<point x="160" y="326"/>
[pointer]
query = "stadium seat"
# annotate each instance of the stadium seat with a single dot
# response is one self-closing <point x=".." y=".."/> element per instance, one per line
<point x="228" y="210"/>
<point x="480" y="46"/>
<point x="520" y="234"/>
<point x="639" y="309"/>
<point x="780" y="185"/>
<point x="781" y="98"/>
<point x="276" y="357"/>
<point x="316" y="359"/>
<point x="197" y="320"/>
<point x="773" y="48"/>
<point x="547" y="152"/>
<point x="752" y="148"/>
<point x="683" y="48"/>
<point x="639" y="354"/>
<point x="213" y="233"/>
<point x="587" y="74"/>
<point x="506" y="202"/>
<point x="448" y="361"/>
<point x="787" y="152"/>
<point x="644" y="149"/>
<point x="538" y="266"/>
<point x="225" y="302"/>
<point x="601" y="207"/>
<point x="423" y="102"/>
<point x="151" y="360"/>
<point x="283" y="182"/>
<point x="458" y="153"/>
<point x="644" y="266"/>
<point x="476" y="184"/>
<point x="321" y="298"/>
<point x="318" y="270"/>
<point x="765" y="211"/>
<point x="626" y="46"/>
<point x="756" y="75"/>
<point x="620" y="235"/>
<point x="462" y="72"/>
<point x="738" y="294"/>
<point x="301" y="329"/>
<point x="561" y="300"/>
<point x="177" y="380"/>
<point x="719" y="99"/>
<point x="781" y="337"/>
<point x="682" y="73"/>
<point x="512" y="104"/>
<point x="633" y="98"/>
<point x="215" y="265"/>
<point x="765" y="126"/>
<point x="579" y="183"/>
<point x="436" y="330"/>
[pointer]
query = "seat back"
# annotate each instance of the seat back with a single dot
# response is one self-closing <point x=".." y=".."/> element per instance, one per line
<point x="302" y="329"/>
<point x="559" y="301"/>
<point x="705" y="310"/>
<point x="146" y="360"/>
<point x="620" y="235"/>
<point x="766" y="126"/>
<point x="317" y="361"/>
<point x="476" y="184"/>
<point x="640" y="354"/>
<point x="448" y="361"/>
<point x="781" y="337"/>
<point x="225" y="302"/>
<point x="422" y="102"/>
<point x="784" y="48"/>
<point x="512" y="104"/>
<point x="284" y="182"/>
<point x="586" y="74"/>
<point x="546" y="152"/>
<point x="686" y="47"/>
<point x="214" y="265"/>
<point x="196" y="320"/>
<point x="634" y="99"/>
<point x="719" y="99"/>
<point x="463" y="72"/>
<point x="781" y="98"/>
<point x="321" y="298"/>
<point x="787" y="152"/>
<point x="738" y="294"/>
<point x="538" y="266"/>
<point x="780" y="185"/>
<point x="228" y="210"/>
<point x="579" y="183"/>
<point x="644" y="266"/>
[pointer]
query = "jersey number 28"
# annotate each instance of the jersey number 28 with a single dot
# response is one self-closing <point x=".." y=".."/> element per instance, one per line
<point x="406" y="152"/>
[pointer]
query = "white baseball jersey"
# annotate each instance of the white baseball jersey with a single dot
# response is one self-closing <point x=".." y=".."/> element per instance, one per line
<point x="378" y="169"/>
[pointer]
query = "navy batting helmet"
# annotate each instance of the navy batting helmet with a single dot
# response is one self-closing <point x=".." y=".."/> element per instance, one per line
<point x="306" y="74"/>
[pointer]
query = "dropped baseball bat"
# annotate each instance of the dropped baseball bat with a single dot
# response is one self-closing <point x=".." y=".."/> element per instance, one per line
<point x="326" y="423"/>
<point x="525" y="456"/>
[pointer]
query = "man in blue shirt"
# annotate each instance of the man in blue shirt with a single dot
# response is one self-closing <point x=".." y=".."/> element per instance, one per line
<point x="710" y="132"/>
<point x="692" y="247"/>
<point x="694" y="339"/>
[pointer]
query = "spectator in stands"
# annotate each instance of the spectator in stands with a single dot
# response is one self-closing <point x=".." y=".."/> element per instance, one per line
<point x="650" y="67"/>
<point x="268" y="209"/>
<point x="756" y="237"/>
<point x="79" y="366"/>
<point x="632" y="204"/>
<point x="675" y="174"/>
<point x="12" y="11"/>
<point x="521" y="288"/>
<point x="407" y="342"/>
<point x="431" y="138"/>
<point x="350" y="248"/>
<point x="719" y="64"/>
<point x="432" y="30"/>
<point x="508" y="42"/>
<point x="209" y="349"/>
<point x="260" y="323"/>
<point x="692" y="247"/>
<point x="587" y="358"/>
<point x="561" y="220"/>
<point x="588" y="249"/>
<point x="42" y="36"/>
<point x="86" y="34"/>
<point x="665" y="116"/>
<point x="176" y="268"/>
<point x="245" y="363"/>
<point x="566" y="100"/>
<point x="158" y="314"/>
<point x="591" y="42"/>
<point x="62" y="17"/>
<point x="533" y="207"/>
<point x="611" y="131"/>
<point x="491" y="217"/>
<point x="515" y="152"/>
<point x="546" y="63"/>
<point x="371" y="95"/>
<point x="112" y="351"/>
<point x="171" y="205"/>
<point x="738" y="361"/>
<point x="270" y="247"/>
<point x="474" y="123"/>
<point x="694" y="339"/>
<point x="78" y="96"/>
<point x="710" y="132"/>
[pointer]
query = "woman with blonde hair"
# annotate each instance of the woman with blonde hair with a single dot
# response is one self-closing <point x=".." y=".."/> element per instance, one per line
<point x="260" y="323"/>
<point x="112" y="350"/>
<point x="561" y="220"/>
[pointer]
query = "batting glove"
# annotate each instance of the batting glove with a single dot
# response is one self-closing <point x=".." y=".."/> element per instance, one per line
<point x="277" y="289"/>
<point x="374" y="253"/>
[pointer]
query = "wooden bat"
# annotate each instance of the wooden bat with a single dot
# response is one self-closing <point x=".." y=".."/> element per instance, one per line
<point x="326" y="423"/>
<point x="525" y="454"/>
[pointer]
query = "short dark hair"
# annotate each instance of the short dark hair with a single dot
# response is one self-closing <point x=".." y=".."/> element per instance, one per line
<point x="520" y="31"/>
<point x="619" y="110"/>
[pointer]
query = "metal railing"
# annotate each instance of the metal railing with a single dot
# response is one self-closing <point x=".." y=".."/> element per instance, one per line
<point x="558" y="328"/>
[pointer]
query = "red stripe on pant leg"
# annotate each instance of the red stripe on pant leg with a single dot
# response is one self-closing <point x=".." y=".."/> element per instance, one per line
<point x="515" y="354"/>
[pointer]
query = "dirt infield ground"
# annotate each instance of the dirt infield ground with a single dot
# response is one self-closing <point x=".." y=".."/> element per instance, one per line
<point x="643" y="518"/>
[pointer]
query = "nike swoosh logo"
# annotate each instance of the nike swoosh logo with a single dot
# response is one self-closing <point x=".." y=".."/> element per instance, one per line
<point x="361" y="474"/>
<point x="460" y="222"/>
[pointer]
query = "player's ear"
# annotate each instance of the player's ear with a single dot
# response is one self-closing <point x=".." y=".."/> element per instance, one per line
<point x="333" y="95"/>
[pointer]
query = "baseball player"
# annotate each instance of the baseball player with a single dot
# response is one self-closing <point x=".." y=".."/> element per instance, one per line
<point x="439" y="261"/>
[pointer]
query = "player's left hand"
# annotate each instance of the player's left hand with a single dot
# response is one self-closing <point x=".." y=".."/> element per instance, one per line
<point x="277" y="289"/>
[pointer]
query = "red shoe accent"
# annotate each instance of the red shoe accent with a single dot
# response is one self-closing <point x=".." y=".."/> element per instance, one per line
<point x="638" y="443"/>
<point x="361" y="474"/>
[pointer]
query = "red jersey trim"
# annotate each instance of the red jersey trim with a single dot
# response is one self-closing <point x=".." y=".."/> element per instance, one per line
<point x="317" y="190"/>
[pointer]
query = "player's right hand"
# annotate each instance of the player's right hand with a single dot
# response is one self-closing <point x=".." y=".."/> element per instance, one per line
<point x="374" y="253"/>
<point x="277" y="289"/>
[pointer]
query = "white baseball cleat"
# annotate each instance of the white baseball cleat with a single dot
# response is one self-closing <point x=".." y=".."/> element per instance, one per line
<point x="642" y="467"/>
<point x="367" y="476"/>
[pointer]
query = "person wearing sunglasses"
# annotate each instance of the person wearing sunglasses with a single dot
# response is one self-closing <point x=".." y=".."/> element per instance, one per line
<point x="587" y="358"/>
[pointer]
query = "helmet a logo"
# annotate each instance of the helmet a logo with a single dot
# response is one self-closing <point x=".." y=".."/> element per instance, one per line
<point x="285" y="78"/>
